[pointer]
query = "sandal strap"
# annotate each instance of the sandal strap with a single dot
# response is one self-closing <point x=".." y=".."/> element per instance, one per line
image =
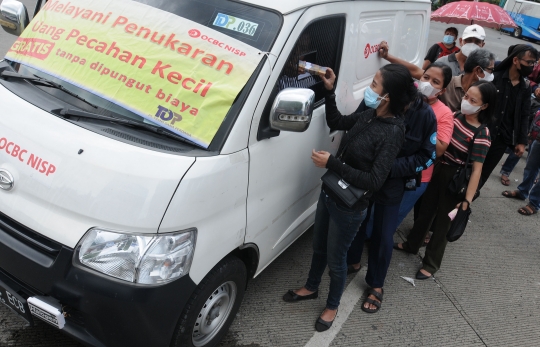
<point x="373" y="302"/>
<point x="376" y="294"/>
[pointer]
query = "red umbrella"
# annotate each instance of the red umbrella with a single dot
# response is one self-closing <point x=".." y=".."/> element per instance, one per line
<point x="466" y="12"/>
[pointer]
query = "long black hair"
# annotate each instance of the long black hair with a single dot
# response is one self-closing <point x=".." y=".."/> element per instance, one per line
<point x="489" y="96"/>
<point x="398" y="83"/>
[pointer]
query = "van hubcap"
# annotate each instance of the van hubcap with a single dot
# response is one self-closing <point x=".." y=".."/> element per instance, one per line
<point x="214" y="313"/>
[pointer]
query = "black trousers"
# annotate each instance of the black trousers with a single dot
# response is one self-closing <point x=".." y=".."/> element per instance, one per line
<point x="494" y="155"/>
<point x="436" y="202"/>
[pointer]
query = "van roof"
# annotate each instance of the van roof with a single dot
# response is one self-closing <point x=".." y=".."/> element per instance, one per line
<point x="288" y="6"/>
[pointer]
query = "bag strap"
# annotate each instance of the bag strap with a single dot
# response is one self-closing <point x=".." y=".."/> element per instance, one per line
<point x="471" y="145"/>
<point x="369" y="122"/>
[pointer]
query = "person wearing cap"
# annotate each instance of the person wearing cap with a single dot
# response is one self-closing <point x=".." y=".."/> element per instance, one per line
<point x="473" y="38"/>
<point x="442" y="49"/>
<point x="511" y="124"/>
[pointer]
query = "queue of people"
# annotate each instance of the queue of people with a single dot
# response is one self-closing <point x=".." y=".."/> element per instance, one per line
<point x="404" y="145"/>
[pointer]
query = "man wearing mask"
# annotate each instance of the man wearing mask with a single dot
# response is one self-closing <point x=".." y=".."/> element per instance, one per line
<point x="473" y="38"/>
<point x="442" y="49"/>
<point x="513" y="104"/>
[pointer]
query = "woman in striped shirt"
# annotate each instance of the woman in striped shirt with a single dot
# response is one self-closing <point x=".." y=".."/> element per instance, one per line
<point x="476" y="109"/>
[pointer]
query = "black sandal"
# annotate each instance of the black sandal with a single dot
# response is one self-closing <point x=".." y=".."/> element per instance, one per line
<point x="512" y="194"/>
<point x="376" y="294"/>
<point x="291" y="296"/>
<point x="527" y="210"/>
<point x="322" y="325"/>
<point x="396" y="246"/>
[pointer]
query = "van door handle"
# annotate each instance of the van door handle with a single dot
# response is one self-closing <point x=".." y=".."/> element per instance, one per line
<point x="333" y="134"/>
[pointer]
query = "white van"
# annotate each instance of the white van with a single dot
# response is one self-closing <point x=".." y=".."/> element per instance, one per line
<point x="121" y="232"/>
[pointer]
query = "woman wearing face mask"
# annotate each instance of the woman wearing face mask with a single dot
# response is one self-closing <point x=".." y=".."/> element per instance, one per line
<point x="432" y="84"/>
<point x="372" y="141"/>
<point x="476" y="109"/>
<point x="442" y="49"/>
<point x="479" y="66"/>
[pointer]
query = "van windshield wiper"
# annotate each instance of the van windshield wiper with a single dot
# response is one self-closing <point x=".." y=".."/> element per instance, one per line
<point x="44" y="82"/>
<point x="68" y="112"/>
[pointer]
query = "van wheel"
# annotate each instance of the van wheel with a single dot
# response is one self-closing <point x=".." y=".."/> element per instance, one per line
<point x="213" y="306"/>
<point x="517" y="32"/>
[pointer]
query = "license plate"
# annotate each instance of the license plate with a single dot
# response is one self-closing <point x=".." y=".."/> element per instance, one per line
<point x="15" y="302"/>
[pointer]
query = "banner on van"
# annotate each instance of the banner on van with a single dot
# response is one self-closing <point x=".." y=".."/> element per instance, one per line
<point x="160" y="66"/>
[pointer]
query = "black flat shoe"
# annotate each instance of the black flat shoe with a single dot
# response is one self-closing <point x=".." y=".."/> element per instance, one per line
<point x="396" y="246"/>
<point x="322" y="325"/>
<point x="421" y="276"/>
<point x="291" y="296"/>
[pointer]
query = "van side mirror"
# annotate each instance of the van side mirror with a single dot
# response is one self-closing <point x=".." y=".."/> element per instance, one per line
<point x="13" y="16"/>
<point x="292" y="109"/>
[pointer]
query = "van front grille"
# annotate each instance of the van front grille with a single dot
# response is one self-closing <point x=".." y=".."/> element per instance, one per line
<point x="29" y="236"/>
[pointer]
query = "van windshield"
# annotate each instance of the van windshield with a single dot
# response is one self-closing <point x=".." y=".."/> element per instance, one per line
<point x="181" y="69"/>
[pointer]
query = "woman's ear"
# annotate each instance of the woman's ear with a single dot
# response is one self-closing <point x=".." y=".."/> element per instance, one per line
<point x="441" y="92"/>
<point x="484" y="106"/>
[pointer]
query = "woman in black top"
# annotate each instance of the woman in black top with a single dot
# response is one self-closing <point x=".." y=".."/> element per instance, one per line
<point x="374" y="138"/>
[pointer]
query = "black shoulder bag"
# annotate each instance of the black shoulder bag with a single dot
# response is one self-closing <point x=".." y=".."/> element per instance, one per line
<point x="347" y="193"/>
<point x="460" y="181"/>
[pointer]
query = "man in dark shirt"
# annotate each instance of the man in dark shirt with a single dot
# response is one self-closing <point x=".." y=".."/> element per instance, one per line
<point x="510" y="125"/>
<point x="441" y="49"/>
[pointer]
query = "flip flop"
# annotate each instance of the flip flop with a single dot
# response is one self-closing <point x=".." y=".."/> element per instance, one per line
<point x="527" y="210"/>
<point x="512" y="194"/>
<point x="505" y="180"/>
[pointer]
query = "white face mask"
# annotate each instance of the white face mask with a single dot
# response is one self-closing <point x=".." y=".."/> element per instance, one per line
<point x="468" y="48"/>
<point x="487" y="76"/>
<point x="467" y="108"/>
<point x="427" y="89"/>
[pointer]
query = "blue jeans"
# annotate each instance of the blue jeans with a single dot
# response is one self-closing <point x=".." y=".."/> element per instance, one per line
<point x="380" y="247"/>
<point x="335" y="228"/>
<point x="409" y="200"/>
<point x="527" y="188"/>
<point x="509" y="164"/>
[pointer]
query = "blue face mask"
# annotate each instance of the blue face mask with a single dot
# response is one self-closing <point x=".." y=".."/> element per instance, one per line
<point x="448" y="39"/>
<point x="372" y="99"/>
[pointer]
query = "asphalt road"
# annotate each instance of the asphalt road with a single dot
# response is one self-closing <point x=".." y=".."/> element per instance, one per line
<point x="486" y="294"/>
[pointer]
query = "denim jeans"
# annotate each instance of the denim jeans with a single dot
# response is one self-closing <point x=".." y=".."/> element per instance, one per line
<point x="527" y="188"/>
<point x="382" y="240"/>
<point x="509" y="164"/>
<point x="335" y="228"/>
<point x="409" y="200"/>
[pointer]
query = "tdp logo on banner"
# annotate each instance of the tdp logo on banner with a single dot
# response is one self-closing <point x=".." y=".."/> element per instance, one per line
<point x="158" y="65"/>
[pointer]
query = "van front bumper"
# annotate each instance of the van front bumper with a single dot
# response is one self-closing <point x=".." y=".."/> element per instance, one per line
<point x="99" y="310"/>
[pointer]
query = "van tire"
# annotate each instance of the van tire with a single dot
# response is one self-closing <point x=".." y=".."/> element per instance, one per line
<point x="212" y="298"/>
<point x="517" y="32"/>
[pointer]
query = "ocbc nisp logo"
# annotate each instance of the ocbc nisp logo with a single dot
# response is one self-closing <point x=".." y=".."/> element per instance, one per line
<point x="370" y="49"/>
<point x="194" y="33"/>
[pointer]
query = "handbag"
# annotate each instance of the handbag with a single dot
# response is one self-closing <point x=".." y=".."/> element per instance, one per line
<point x="346" y="192"/>
<point x="457" y="228"/>
<point x="459" y="183"/>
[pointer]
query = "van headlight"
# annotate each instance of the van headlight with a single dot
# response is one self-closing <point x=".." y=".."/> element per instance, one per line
<point x="138" y="258"/>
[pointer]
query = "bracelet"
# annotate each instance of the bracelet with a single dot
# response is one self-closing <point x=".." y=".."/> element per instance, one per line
<point x="467" y="201"/>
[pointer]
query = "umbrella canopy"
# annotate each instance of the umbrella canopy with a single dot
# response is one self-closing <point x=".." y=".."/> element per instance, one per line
<point x="482" y="13"/>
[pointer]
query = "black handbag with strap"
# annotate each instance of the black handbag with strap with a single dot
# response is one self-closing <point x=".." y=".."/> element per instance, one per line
<point x="346" y="192"/>
<point x="460" y="181"/>
<point x="457" y="228"/>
